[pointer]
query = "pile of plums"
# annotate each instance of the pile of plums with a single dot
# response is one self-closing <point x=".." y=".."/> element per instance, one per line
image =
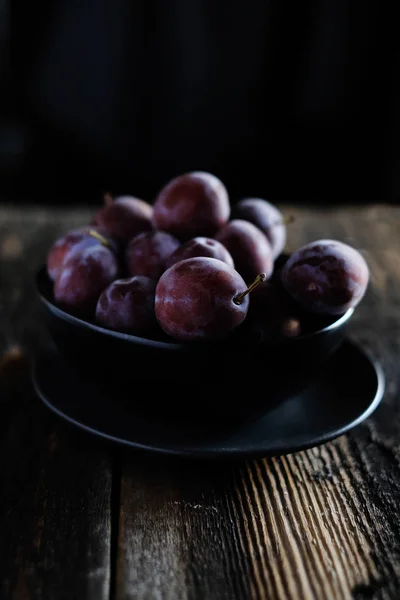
<point x="194" y="267"/>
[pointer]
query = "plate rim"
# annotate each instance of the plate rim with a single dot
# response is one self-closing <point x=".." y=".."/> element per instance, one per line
<point x="228" y="453"/>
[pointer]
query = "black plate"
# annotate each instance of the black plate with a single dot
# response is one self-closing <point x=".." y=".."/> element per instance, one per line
<point x="346" y="392"/>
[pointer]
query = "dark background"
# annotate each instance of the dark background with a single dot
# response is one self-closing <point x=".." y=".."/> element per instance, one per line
<point x="293" y="101"/>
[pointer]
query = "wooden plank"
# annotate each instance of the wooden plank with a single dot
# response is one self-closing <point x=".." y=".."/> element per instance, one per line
<point x="320" y="524"/>
<point x="179" y="532"/>
<point x="301" y="526"/>
<point x="55" y="510"/>
<point x="55" y="494"/>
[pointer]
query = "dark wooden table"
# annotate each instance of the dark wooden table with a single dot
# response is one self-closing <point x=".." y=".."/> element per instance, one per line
<point x="83" y="519"/>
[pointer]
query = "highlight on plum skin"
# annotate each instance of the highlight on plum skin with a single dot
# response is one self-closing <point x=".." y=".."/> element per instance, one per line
<point x="326" y="277"/>
<point x="249" y="248"/>
<point x="201" y="299"/>
<point x="82" y="279"/>
<point x="147" y="253"/>
<point x="124" y="217"/>
<point x="127" y="306"/>
<point x="201" y="246"/>
<point x="73" y="241"/>
<point x="190" y="205"/>
<point x="267" y="217"/>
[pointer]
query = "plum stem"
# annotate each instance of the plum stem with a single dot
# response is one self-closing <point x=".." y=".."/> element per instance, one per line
<point x="99" y="237"/>
<point x="108" y="199"/>
<point x="238" y="299"/>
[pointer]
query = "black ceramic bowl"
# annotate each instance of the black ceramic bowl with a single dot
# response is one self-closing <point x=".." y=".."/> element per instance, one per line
<point x="236" y="377"/>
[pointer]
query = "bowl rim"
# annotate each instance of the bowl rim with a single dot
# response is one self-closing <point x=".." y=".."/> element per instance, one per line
<point x="41" y="273"/>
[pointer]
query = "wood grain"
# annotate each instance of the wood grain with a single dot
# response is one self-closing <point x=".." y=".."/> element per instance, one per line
<point x="55" y="495"/>
<point x="83" y="520"/>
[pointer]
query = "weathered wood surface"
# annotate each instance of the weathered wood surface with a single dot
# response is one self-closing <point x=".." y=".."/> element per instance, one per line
<point x="83" y="519"/>
<point x="55" y="486"/>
